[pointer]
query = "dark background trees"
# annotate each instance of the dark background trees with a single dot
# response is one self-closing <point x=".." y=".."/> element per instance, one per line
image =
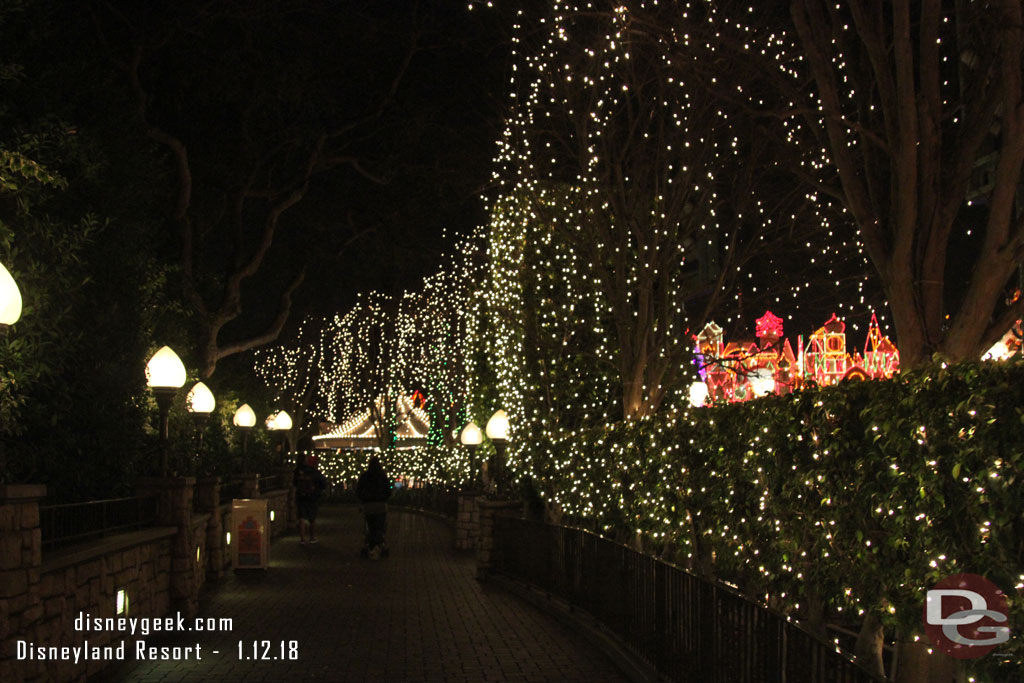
<point x="108" y="270"/>
<point x="90" y="280"/>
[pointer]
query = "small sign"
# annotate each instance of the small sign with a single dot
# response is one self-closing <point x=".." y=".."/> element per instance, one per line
<point x="250" y="523"/>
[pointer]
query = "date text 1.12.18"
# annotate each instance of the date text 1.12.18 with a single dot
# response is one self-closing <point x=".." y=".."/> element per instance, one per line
<point x="268" y="650"/>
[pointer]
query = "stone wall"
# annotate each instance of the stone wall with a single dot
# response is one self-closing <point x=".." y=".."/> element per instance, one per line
<point x="225" y="522"/>
<point x="20" y="560"/>
<point x="278" y="505"/>
<point x="85" y="584"/>
<point x="160" y="569"/>
<point x="485" y="546"/>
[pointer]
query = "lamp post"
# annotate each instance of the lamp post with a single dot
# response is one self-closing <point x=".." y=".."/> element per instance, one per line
<point x="244" y="419"/>
<point x="10" y="300"/>
<point x="10" y="311"/>
<point x="497" y="432"/>
<point x="200" y="403"/>
<point x="471" y="437"/>
<point x="280" y="422"/>
<point x="165" y="374"/>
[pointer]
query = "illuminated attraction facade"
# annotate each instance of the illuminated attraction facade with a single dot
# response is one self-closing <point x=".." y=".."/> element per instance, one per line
<point x="744" y="369"/>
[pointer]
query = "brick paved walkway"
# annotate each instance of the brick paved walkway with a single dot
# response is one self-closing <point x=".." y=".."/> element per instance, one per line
<point x="416" y="616"/>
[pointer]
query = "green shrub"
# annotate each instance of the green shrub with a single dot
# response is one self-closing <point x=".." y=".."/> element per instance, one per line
<point x="860" y="496"/>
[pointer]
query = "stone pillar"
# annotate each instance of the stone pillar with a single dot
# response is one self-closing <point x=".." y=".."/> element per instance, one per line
<point x="208" y="500"/>
<point x="287" y="482"/>
<point x="207" y="494"/>
<point x="174" y="508"/>
<point x="487" y="510"/>
<point x="467" y="521"/>
<point x="250" y="485"/>
<point x="20" y="559"/>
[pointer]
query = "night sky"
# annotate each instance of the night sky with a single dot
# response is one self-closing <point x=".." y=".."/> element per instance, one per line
<point x="433" y="145"/>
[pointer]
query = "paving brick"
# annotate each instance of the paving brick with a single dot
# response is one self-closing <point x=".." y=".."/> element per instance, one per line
<point x="419" y="615"/>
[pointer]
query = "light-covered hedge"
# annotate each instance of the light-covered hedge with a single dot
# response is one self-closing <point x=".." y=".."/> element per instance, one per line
<point x="854" y="499"/>
<point x="440" y="465"/>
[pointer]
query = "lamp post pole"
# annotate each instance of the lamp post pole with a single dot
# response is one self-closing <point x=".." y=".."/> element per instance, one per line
<point x="244" y="419"/>
<point x="497" y="432"/>
<point x="281" y="422"/>
<point x="471" y="437"/>
<point x="164" y="399"/>
<point x="200" y="404"/>
<point x="165" y="374"/>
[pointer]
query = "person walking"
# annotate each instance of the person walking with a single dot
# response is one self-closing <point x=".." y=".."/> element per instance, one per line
<point x="309" y="484"/>
<point x="373" y="490"/>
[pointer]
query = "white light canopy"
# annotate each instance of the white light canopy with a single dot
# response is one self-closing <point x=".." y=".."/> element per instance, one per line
<point x="10" y="298"/>
<point x="497" y="426"/>
<point x="244" y="417"/>
<point x="200" y="399"/>
<point x="471" y="435"/>
<point x="165" y="370"/>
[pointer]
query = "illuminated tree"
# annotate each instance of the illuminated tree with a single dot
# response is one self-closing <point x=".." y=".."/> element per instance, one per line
<point x="645" y="191"/>
<point x="291" y="370"/>
<point x="365" y="362"/>
<point x="442" y="341"/>
<point x="913" y="119"/>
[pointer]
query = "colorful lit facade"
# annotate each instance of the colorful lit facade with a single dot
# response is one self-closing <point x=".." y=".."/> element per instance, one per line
<point x="737" y="371"/>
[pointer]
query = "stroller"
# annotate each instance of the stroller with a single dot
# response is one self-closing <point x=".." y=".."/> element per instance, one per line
<point x="375" y="516"/>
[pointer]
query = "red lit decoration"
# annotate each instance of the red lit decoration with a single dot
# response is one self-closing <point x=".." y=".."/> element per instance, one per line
<point x="769" y="329"/>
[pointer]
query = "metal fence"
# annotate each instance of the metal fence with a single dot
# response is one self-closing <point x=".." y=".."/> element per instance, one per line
<point x="440" y="499"/>
<point x="270" y="482"/>
<point x="67" y="524"/>
<point x="687" y="627"/>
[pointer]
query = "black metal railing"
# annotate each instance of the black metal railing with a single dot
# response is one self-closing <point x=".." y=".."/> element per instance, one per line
<point x="270" y="482"/>
<point x="67" y="524"/>
<point x="687" y="627"/>
<point x="442" y="500"/>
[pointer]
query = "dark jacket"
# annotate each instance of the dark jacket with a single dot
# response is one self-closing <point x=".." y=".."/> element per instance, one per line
<point x="309" y="482"/>
<point x="373" y="486"/>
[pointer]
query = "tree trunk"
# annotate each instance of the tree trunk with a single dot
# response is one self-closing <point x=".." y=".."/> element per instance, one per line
<point x="869" y="644"/>
<point x="815" y="613"/>
<point x="702" y="562"/>
<point x="632" y="399"/>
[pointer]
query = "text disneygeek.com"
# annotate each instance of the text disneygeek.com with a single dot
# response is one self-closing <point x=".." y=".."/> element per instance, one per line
<point x="145" y="625"/>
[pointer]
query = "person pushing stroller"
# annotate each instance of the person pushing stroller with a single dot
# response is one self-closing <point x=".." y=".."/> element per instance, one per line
<point x="373" y="490"/>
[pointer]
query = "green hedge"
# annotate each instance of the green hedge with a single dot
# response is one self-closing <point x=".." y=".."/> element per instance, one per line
<point x="857" y="497"/>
